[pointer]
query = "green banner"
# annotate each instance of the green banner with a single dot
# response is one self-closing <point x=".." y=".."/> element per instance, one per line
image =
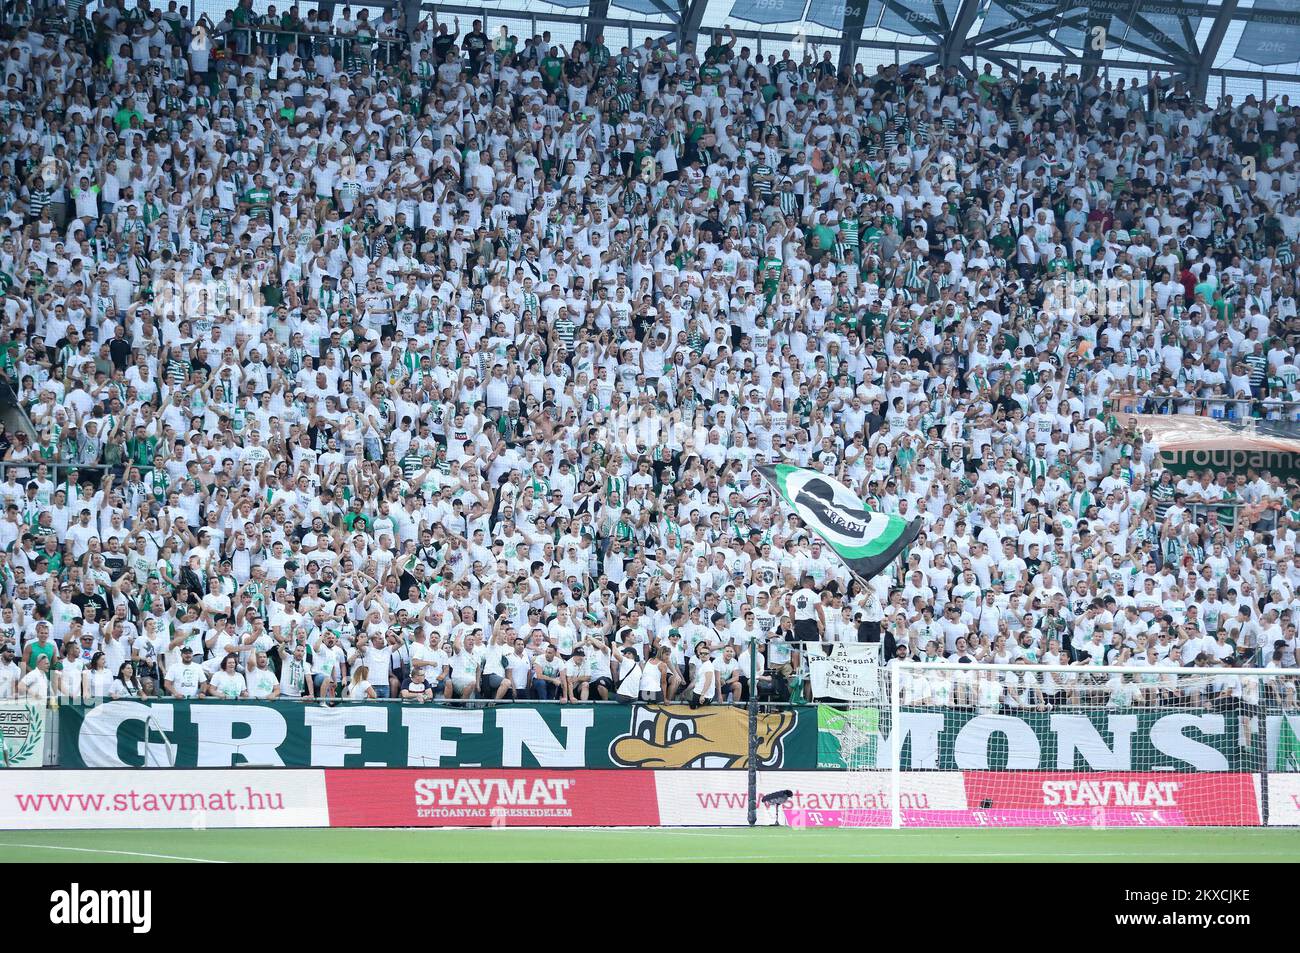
<point x="1280" y="463"/>
<point x="290" y="734"/>
<point x="1284" y="742"/>
<point x="949" y="739"/>
<point x="847" y="738"/>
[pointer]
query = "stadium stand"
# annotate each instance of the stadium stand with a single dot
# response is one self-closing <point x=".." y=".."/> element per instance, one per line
<point x="345" y="352"/>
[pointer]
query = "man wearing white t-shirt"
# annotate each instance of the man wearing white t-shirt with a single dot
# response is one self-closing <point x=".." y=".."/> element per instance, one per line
<point x="576" y="676"/>
<point x="377" y="656"/>
<point x="262" y="682"/>
<point x="186" y="679"/>
<point x="1269" y="631"/>
<point x="548" y="675"/>
<point x="465" y="666"/>
<point x="704" y="687"/>
<point x="327" y="660"/>
<point x="36" y="683"/>
<point x="627" y="684"/>
<point x="10" y="673"/>
<point x="563" y="633"/>
<point x="599" y="670"/>
<point x="519" y="665"/>
<point x="1026" y="253"/>
<point x="953" y="628"/>
<point x="437" y="663"/>
<point x="222" y="641"/>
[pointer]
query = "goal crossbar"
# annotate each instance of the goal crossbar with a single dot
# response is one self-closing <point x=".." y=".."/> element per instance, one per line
<point x="1081" y="669"/>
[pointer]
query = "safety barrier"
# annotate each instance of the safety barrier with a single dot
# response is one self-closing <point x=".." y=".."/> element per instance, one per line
<point x="485" y="797"/>
<point x="1220" y="408"/>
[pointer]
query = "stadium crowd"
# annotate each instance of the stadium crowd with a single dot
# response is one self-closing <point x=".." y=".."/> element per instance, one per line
<point x="366" y="365"/>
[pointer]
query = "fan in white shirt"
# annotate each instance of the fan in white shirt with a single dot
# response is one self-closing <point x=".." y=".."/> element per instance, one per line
<point x="10" y="673"/>
<point x="185" y="679"/>
<point x="228" y="682"/>
<point x="261" y="681"/>
<point x="36" y="683"/>
<point x="704" y="688"/>
<point x="296" y="675"/>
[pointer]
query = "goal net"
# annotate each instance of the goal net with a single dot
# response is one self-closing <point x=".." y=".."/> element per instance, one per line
<point x="850" y="689"/>
<point x="1083" y="745"/>
<point x="1018" y="745"/>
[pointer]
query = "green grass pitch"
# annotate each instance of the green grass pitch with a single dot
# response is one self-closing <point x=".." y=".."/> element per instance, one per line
<point x="593" y="845"/>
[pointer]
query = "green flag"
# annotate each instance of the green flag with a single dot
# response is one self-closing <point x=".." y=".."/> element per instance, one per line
<point x="847" y="739"/>
<point x="1287" y="756"/>
<point x="867" y="542"/>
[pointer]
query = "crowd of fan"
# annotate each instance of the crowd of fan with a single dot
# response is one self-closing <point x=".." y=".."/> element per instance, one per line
<point x="442" y="370"/>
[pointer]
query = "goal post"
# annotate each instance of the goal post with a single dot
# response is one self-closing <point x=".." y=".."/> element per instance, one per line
<point x="1003" y="745"/>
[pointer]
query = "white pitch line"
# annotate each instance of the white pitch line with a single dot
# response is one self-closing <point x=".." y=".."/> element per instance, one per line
<point x="884" y="857"/>
<point x="123" y="853"/>
<point x="702" y="860"/>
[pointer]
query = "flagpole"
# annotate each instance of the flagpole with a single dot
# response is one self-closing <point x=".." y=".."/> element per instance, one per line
<point x="752" y="731"/>
<point x="841" y="514"/>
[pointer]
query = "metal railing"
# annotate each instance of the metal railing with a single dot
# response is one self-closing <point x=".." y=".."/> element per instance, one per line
<point x="58" y="471"/>
<point x="55" y="702"/>
<point x="381" y="49"/>
<point x="152" y="722"/>
<point x="1265" y="522"/>
<point x="374" y="47"/>
<point x="1218" y="408"/>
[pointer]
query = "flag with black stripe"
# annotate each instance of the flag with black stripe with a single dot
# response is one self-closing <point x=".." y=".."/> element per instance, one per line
<point x="867" y="542"/>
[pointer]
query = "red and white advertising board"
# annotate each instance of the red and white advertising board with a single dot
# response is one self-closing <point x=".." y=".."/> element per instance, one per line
<point x="1284" y="800"/>
<point x="817" y="798"/>
<point x="482" y="797"/>
<point x="1112" y="798"/>
<point x="116" y="800"/>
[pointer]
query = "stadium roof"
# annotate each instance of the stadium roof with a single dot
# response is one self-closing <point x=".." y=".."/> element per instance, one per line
<point x="1245" y="38"/>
